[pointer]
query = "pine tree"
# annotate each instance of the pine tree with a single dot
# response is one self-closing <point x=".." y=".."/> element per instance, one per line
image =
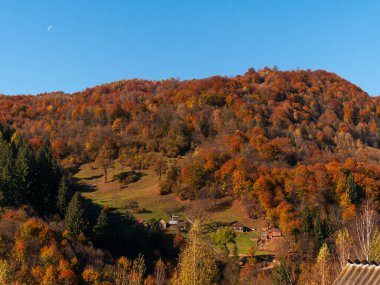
<point x="307" y="220"/>
<point x="352" y="189"/>
<point x="100" y="230"/>
<point x="321" y="230"/>
<point x="75" y="218"/>
<point x="24" y="170"/>
<point x="7" y="182"/>
<point x="64" y="196"/>
<point x="48" y="178"/>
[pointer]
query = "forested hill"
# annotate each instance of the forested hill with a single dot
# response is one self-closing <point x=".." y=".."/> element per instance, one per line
<point x="285" y="116"/>
<point x="298" y="149"/>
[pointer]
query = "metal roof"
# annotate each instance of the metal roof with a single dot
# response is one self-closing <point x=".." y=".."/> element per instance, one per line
<point x="236" y="224"/>
<point x="359" y="274"/>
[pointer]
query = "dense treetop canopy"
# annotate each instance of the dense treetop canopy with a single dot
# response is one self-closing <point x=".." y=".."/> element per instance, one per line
<point x="276" y="109"/>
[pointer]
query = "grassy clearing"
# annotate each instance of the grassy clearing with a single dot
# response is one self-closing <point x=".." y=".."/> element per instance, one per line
<point x="114" y="194"/>
<point x="244" y="243"/>
<point x="235" y="212"/>
<point x="146" y="193"/>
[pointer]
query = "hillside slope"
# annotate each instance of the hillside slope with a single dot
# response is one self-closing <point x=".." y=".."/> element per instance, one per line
<point x="313" y="112"/>
<point x="295" y="150"/>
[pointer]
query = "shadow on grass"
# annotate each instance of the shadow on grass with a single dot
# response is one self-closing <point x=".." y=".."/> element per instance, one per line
<point x="128" y="237"/>
<point x="214" y="226"/>
<point x="93" y="177"/>
<point x="125" y="236"/>
<point x="80" y="187"/>
<point x="128" y="177"/>
<point x="223" y="206"/>
<point x="265" y="257"/>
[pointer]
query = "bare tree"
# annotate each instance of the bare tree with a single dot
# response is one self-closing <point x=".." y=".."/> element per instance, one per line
<point x="160" y="273"/>
<point x="198" y="210"/>
<point x="286" y="270"/>
<point x="130" y="272"/>
<point x="160" y="165"/>
<point x="367" y="233"/>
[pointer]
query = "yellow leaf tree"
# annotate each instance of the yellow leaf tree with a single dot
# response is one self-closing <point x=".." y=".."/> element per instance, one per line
<point x="197" y="264"/>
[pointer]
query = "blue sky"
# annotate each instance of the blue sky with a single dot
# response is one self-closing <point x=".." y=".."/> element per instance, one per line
<point x="93" y="42"/>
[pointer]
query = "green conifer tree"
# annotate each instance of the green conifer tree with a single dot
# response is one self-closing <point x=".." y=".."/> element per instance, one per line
<point x="24" y="171"/>
<point x="64" y="196"/>
<point x="321" y="230"/>
<point x="75" y="218"/>
<point x="100" y="230"/>
<point x="352" y="189"/>
<point x="307" y="220"/>
<point x="48" y="178"/>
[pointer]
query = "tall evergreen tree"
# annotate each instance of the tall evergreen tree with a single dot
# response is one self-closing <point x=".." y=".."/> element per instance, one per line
<point x="48" y="178"/>
<point x="307" y="220"/>
<point x="24" y="170"/>
<point x="27" y="177"/>
<point x="100" y="230"/>
<point x="352" y="189"/>
<point x="6" y="170"/>
<point x="64" y="196"/>
<point x="321" y="230"/>
<point x="8" y="185"/>
<point x="75" y="218"/>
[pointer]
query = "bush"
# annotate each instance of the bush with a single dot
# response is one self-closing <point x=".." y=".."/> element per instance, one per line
<point x="165" y="188"/>
<point x="143" y="211"/>
<point x="128" y="177"/>
<point x="132" y="205"/>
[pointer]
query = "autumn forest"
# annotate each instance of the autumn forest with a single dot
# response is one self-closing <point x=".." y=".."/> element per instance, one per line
<point x="297" y="151"/>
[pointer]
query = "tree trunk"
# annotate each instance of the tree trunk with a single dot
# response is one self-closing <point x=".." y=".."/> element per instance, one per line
<point x="105" y="174"/>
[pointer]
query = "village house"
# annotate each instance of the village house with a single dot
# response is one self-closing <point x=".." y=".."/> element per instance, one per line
<point x="275" y="232"/>
<point x="237" y="226"/>
<point x="177" y="224"/>
<point x="264" y="236"/>
<point x="174" y="220"/>
<point x="268" y="234"/>
<point x="162" y="224"/>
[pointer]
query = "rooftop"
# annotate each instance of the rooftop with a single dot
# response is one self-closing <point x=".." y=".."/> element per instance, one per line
<point x="236" y="224"/>
<point x="363" y="273"/>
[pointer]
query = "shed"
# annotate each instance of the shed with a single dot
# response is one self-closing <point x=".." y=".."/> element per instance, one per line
<point x="174" y="220"/>
<point x="237" y="226"/>
<point x="264" y="235"/>
<point x="162" y="224"/>
<point x="275" y="232"/>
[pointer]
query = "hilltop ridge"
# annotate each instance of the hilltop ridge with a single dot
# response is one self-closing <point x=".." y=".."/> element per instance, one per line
<point x="314" y="106"/>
